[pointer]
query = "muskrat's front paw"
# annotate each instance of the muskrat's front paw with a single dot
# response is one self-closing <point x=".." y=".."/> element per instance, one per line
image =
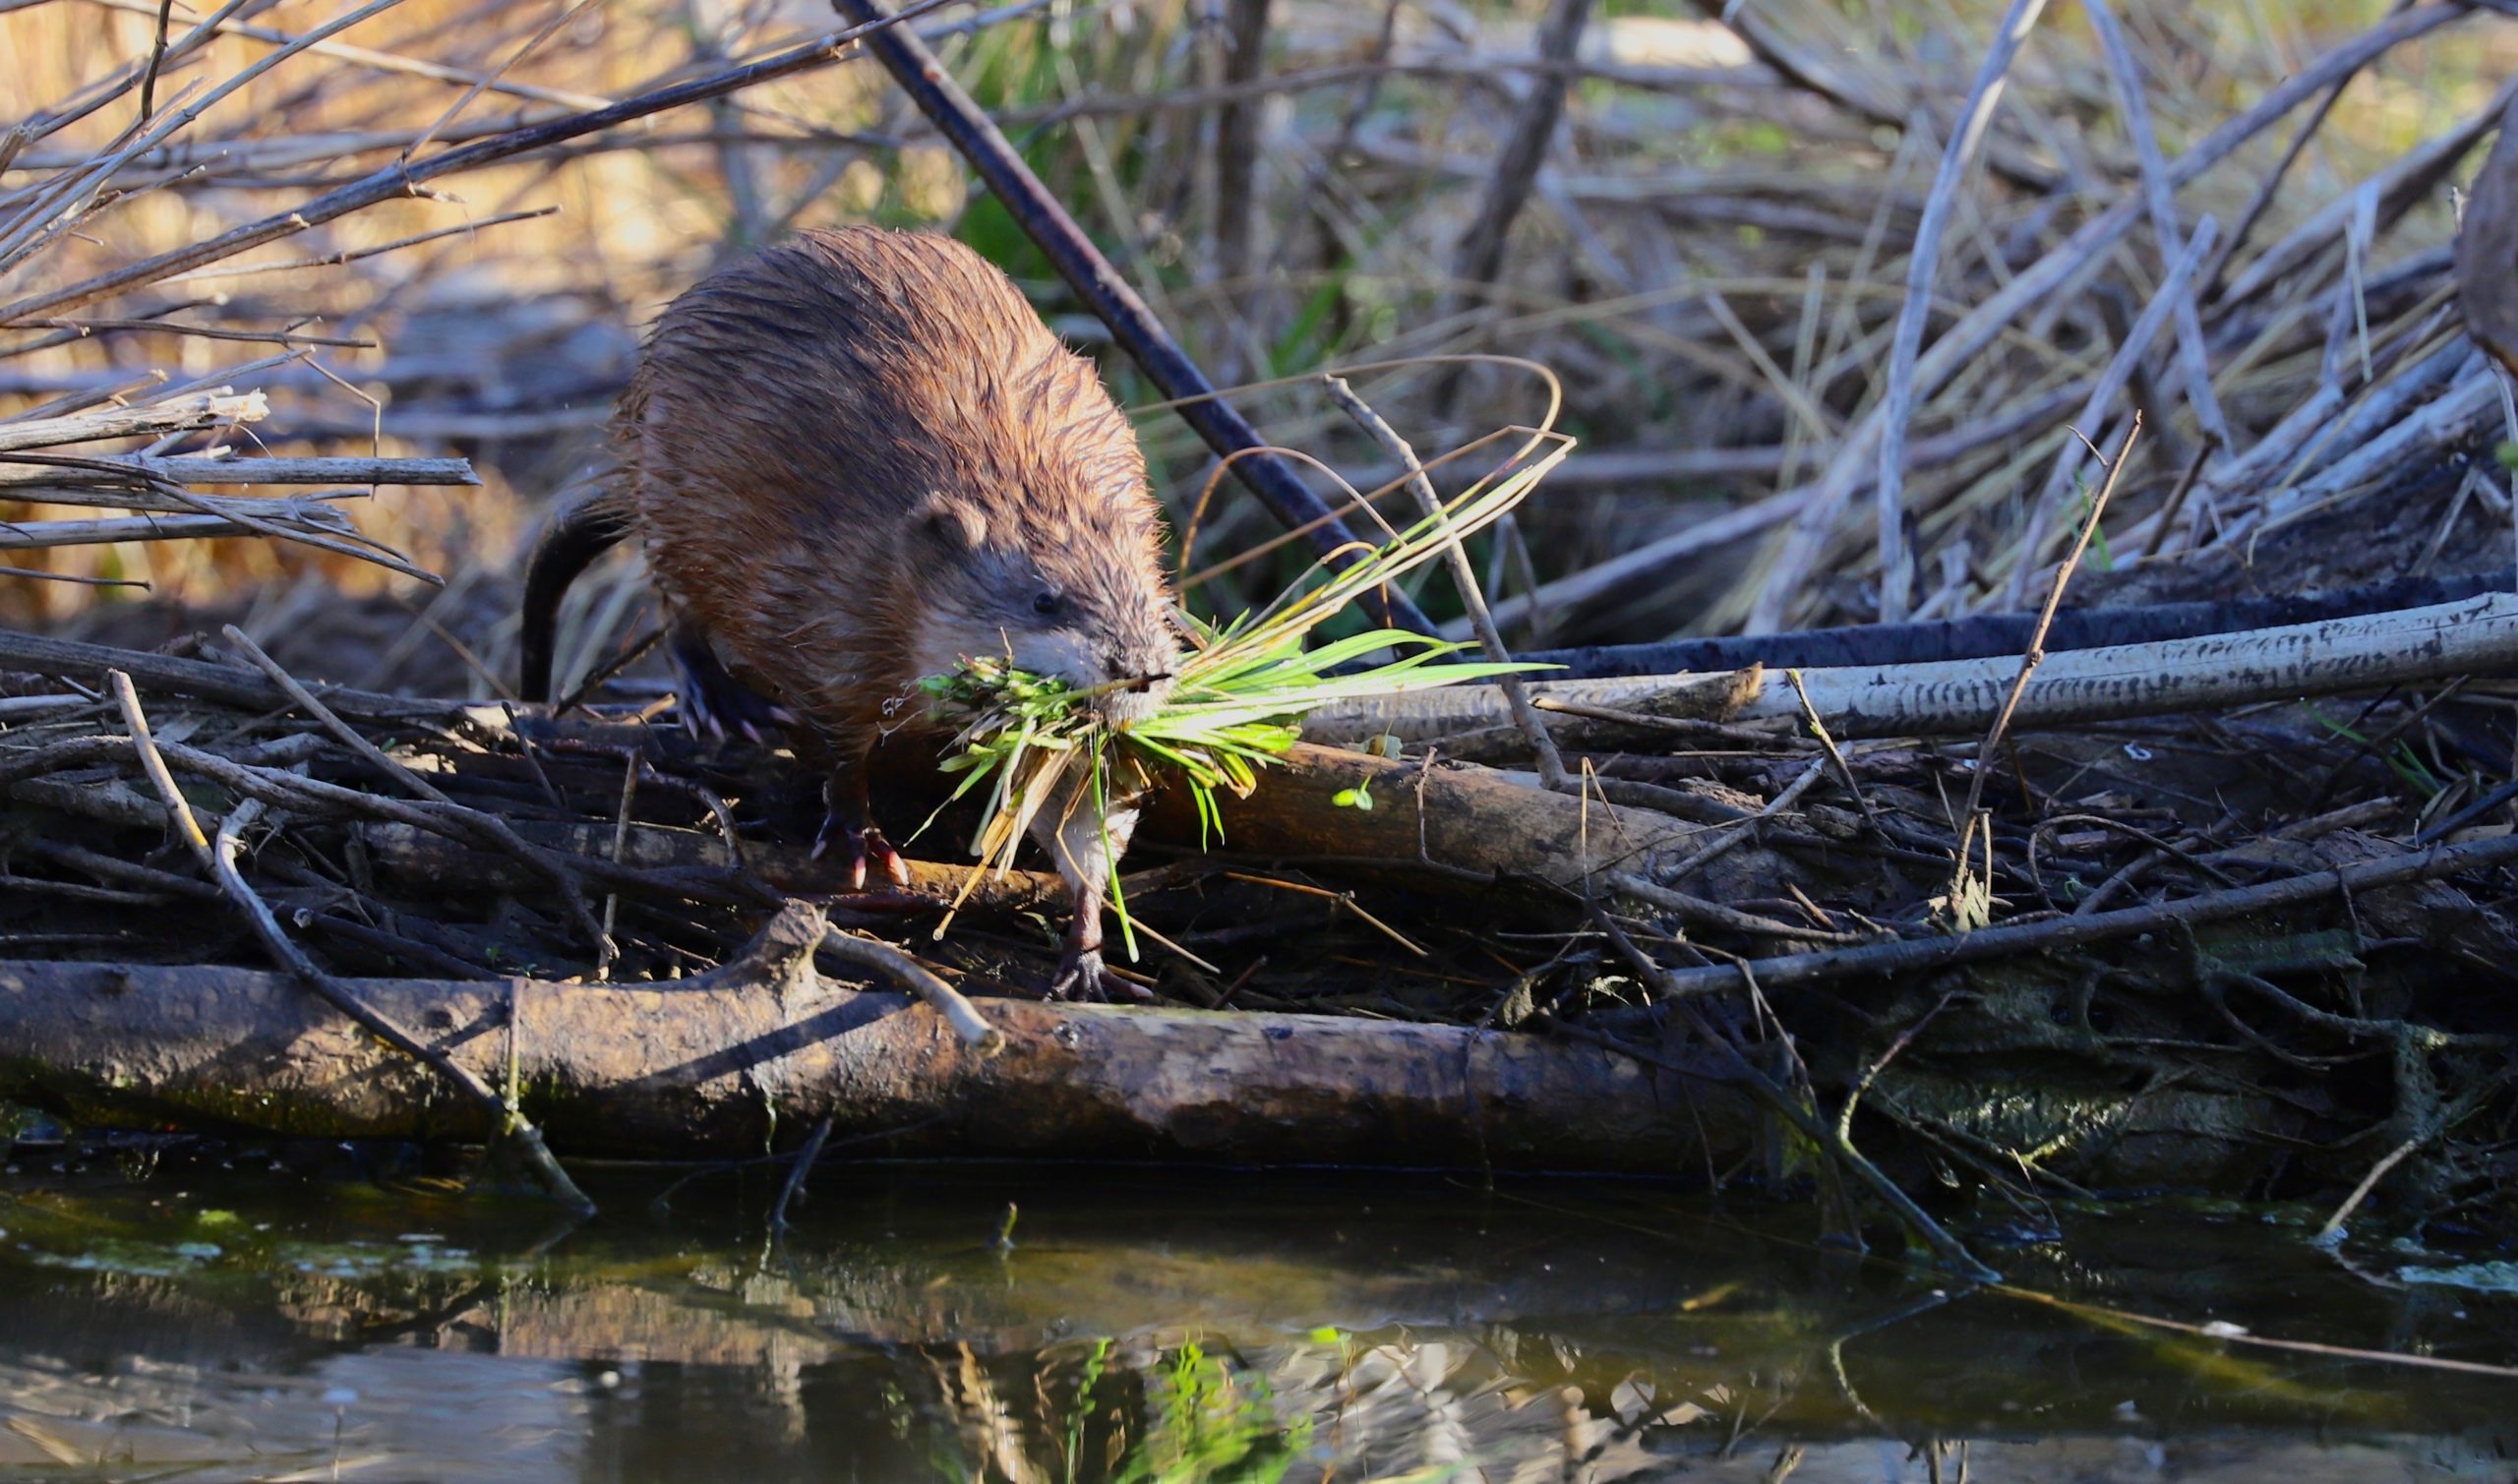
<point x="716" y="715"/>
<point x="862" y="847"/>
<point x="880" y="852"/>
<point x="712" y="702"/>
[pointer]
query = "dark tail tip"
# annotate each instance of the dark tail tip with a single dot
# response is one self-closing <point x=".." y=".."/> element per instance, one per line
<point x="583" y="530"/>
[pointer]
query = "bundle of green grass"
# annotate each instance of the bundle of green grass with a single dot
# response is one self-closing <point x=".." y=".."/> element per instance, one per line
<point x="1236" y="703"/>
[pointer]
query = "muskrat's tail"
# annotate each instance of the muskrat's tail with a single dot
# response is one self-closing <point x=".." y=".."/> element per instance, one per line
<point x="584" y="529"/>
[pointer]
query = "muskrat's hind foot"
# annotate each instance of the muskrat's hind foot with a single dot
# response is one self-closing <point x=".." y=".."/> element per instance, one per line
<point x="1081" y="974"/>
<point x="861" y="842"/>
<point x="712" y="701"/>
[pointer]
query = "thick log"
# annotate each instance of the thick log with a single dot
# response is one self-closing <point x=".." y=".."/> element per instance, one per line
<point x="1451" y="820"/>
<point x="728" y="1064"/>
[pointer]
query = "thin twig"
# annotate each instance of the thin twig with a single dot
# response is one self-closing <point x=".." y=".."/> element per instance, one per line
<point x="1790" y="1109"/>
<point x="2118" y="1318"/>
<point x="2036" y="653"/>
<point x="2333" y="1226"/>
<point x="2062" y="933"/>
<point x="606" y="950"/>
<point x="898" y="966"/>
<point x="515" y="1128"/>
<point x="488" y="825"/>
<point x="2268" y="184"/>
<point x="219" y="859"/>
<point x="375" y="756"/>
<point x="379" y="61"/>
<point x="797" y="1170"/>
<point x="1826" y="741"/>
<point x="1336" y="899"/>
<point x="1923" y="266"/>
<point x="1726" y="837"/>
<point x="396" y="181"/>
<point x="179" y="809"/>
<point x="1551" y="765"/>
<point x="355" y="255"/>
<point x="1481" y="255"/>
<point x="597" y="677"/>
<point x="156" y="59"/>
<point x="1112" y="301"/>
<point x="2166" y="516"/>
<point x="2193" y="350"/>
<point x="2111" y="384"/>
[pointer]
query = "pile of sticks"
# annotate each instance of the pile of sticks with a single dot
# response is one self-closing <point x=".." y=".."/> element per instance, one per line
<point x="2149" y="913"/>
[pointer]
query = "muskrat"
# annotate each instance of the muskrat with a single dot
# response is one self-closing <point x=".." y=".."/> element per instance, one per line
<point x="853" y="461"/>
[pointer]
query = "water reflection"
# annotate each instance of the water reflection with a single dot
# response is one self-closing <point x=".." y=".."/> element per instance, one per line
<point x="1173" y="1326"/>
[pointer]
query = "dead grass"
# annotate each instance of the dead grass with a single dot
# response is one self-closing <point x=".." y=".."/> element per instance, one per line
<point x="1713" y="258"/>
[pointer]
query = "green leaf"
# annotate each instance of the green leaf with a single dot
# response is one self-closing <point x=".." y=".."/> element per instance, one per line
<point x="1237" y="702"/>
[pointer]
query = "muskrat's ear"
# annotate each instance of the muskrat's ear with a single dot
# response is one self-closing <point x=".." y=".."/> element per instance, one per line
<point x="956" y="525"/>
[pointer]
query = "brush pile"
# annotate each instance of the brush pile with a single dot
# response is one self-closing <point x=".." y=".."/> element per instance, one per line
<point x="2193" y="907"/>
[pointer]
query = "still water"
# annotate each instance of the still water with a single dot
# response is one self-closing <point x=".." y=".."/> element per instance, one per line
<point x="210" y="1324"/>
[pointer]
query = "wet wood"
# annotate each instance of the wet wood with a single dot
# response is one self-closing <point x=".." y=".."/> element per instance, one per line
<point x="754" y="1054"/>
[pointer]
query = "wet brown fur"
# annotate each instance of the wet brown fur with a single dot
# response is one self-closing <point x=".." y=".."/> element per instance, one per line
<point x="817" y="433"/>
<point x="858" y="457"/>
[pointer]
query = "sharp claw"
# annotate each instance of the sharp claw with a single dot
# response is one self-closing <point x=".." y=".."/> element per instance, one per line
<point x="866" y="847"/>
<point x="713" y="701"/>
<point x="1079" y="977"/>
<point x="879" y="849"/>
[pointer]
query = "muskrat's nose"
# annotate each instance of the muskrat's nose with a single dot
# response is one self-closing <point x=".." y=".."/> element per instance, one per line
<point x="1126" y="702"/>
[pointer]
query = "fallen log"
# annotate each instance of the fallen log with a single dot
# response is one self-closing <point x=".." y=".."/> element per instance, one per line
<point x="2215" y="672"/>
<point x="1981" y="635"/>
<point x="754" y="1054"/>
<point x="1470" y="825"/>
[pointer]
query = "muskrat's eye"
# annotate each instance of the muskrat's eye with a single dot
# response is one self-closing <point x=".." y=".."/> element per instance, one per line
<point x="1047" y="603"/>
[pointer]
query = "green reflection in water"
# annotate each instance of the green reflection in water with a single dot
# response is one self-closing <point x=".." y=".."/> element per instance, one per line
<point x="1144" y="1327"/>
